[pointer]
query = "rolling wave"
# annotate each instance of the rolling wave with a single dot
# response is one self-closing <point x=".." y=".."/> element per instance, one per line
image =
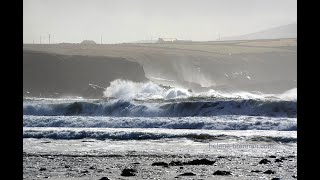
<point x="209" y="123"/>
<point x="122" y="108"/>
<point x="67" y="134"/>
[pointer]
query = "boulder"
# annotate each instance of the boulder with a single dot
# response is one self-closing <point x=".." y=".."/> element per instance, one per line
<point x="264" y="161"/>
<point x="128" y="172"/>
<point x="222" y="173"/>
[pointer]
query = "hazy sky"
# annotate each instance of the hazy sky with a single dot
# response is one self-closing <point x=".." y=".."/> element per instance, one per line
<point x="131" y="20"/>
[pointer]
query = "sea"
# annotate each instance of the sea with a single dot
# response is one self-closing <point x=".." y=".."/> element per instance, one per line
<point x="145" y="118"/>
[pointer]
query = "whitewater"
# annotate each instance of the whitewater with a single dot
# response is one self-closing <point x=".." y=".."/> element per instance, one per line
<point x="149" y="113"/>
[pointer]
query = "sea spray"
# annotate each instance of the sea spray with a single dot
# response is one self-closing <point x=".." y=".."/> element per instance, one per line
<point x="128" y="90"/>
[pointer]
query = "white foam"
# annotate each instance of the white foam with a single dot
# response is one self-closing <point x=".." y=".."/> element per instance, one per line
<point x="289" y="95"/>
<point x="226" y="122"/>
<point x="128" y="90"/>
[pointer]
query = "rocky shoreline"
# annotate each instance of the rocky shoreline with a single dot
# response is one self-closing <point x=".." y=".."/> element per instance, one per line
<point x="142" y="166"/>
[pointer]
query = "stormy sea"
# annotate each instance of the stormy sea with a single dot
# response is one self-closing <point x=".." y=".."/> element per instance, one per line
<point x="148" y="131"/>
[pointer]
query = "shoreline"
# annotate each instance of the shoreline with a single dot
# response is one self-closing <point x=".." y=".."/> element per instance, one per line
<point x="38" y="166"/>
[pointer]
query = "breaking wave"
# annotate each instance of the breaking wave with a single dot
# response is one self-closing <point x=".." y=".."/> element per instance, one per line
<point x="209" y="123"/>
<point x="164" y="109"/>
<point x="67" y="134"/>
<point x="128" y="90"/>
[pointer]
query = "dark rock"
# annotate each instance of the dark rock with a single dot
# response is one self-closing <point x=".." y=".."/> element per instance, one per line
<point x="86" y="141"/>
<point x="128" y="172"/>
<point x="136" y="163"/>
<point x="166" y="166"/>
<point x="175" y="163"/>
<point x="256" y="171"/>
<point x="278" y="160"/>
<point x="269" y="172"/>
<point x="283" y="158"/>
<point x="291" y="156"/>
<point x="159" y="164"/>
<point x="200" y="162"/>
<point x="49" y="73"/>
<point x="221" y="157"/>
<point x="42" y="169"/>
<point x="91" y="167"/>
<point x="264" y="161"/>
<point x="181" y="167"/>
<point x="46" y="142"/>
<point x="272" y="156"/>
<point x="85" y="171"/>
<point x="104" y="178"/>
<point x="275" y="179"/>
<point x="222" y="173"/>
<point x="187" y="174"/>
<point x="294" y="176"/>
<point x="66" y="166"/>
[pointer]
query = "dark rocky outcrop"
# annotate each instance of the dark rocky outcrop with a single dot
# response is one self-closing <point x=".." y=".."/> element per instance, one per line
<point x="269" y="172"/>
<point x="187" y="174"/>
<point x="42" y="169"/>
<point x="175" y="163"/>
<point x="222" y="173"/>
<point x="264" y="161"/>
<point x="104" y="178"/>
<point x="84" y="171"/>
<point x="199" y="162"/>
<point x="256" y="171"/>
<point x="159" y="164"/>
<point x="52" y="75"/>
<point x="283" y="158"/>
<point x="128" y="172"/>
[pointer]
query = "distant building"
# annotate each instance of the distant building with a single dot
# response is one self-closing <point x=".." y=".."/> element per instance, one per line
<point x="88" y="42"/>
<point x="164" y="40"/>
<point x="171" y="40"/>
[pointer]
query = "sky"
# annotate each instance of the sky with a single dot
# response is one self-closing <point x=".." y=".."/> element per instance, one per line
<point x="118" y="21"/>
